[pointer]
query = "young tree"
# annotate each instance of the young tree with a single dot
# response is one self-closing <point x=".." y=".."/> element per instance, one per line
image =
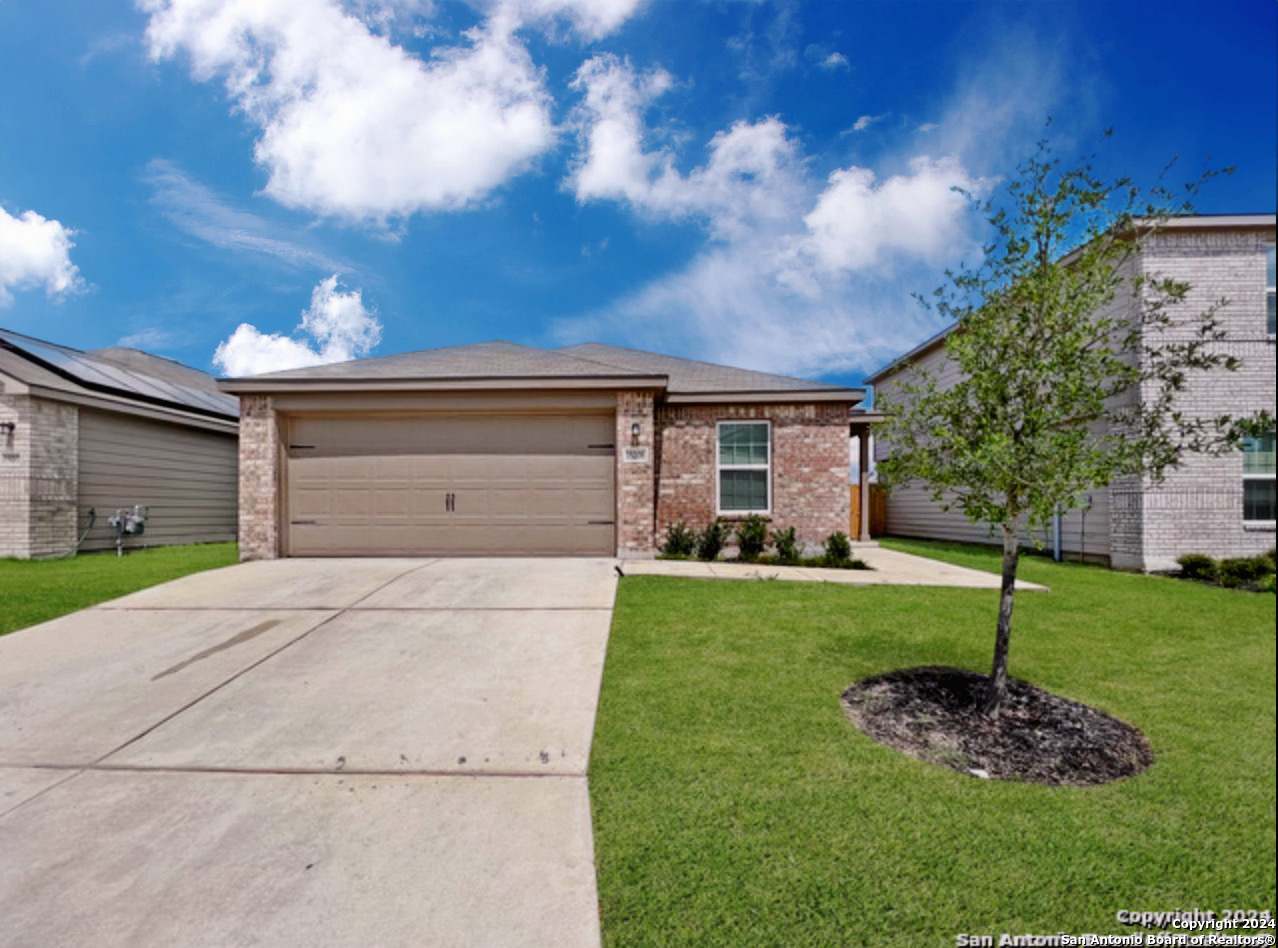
<point x="1070" y="361"/>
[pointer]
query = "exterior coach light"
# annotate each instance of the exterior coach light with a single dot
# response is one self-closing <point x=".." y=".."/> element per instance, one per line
<point x="634" y="434"/>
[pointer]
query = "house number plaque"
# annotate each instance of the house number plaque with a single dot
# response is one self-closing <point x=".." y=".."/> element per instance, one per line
<point x="635" y="455"/>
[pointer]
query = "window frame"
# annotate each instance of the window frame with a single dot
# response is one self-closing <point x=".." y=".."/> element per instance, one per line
<point x="720" y="467"/>
<point x="1254" y="476"/>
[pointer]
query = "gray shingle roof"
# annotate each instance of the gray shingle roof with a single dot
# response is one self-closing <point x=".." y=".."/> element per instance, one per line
<point x="482" y="360"/>
<point x="688" y="376"/>
<point x="501" y="361"/>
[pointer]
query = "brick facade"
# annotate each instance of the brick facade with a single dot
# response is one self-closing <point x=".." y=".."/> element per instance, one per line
<point x="259" y="479"/>
<point x="39" y="464"/>
<point x="1198" y="507"/>
<point x="809" y="465"/>
<point x="674" y="481"/>
<point x="635" y="478"/>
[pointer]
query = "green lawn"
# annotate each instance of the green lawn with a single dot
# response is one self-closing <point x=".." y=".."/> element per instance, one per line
<point x="34" y="591"/>
<point x="734" y="805"/>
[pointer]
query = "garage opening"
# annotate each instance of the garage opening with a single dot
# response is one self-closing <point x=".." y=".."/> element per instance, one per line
<point x="457" y="484"/>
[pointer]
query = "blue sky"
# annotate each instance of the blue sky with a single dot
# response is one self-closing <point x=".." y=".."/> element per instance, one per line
<point x="254" y="184"/>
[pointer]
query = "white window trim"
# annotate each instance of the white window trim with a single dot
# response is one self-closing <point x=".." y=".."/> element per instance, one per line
<point x="719" y="466"/>
<point x="1256" y="477"/>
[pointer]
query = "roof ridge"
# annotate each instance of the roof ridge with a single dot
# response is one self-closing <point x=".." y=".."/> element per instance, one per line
<point x="711" y="365"/>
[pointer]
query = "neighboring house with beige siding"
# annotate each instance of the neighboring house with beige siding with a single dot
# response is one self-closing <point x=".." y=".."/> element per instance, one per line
<point x="1222" y="506"/>
<point x="83" y="434"/>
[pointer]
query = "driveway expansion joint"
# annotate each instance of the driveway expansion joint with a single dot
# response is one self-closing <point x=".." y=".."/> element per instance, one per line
<point x="73" y="769"/>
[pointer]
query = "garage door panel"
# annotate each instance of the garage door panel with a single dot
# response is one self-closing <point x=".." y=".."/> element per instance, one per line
<point x="518" y="484"/>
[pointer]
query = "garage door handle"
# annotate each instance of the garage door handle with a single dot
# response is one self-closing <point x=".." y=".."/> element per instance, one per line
<point x="595" y="523"/>
<point x="610" y="446"/>
<point x="450" y="502"/>
<point x="303" y="523"/>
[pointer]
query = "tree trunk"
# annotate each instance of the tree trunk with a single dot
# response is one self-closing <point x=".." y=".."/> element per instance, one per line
<point x="996" y="690"/>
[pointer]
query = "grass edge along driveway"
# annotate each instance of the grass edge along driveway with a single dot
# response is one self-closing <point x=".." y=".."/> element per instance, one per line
<point x="734" y="805"/>
<point x="34" y="591"/>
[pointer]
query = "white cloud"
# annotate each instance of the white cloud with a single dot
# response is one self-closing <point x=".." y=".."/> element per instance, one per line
<point x="36" y="252"/>
<point x="200" y="212"/>
<point x="593" y="19"/>
<point x="1001" y="100"/>
<point x="353" y="126"/>
<point x="858" y="221"/>
<point x="728" y="306"/>
<point x="339" y="326"/>
<point x="865" y="121"/>
<point x="150" y="338"/>
<point x="800" y="275"/>
<point x="825" y="58"/>
<point x="752" y="176"/>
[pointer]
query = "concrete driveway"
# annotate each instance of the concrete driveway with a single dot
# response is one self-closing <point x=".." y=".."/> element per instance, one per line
<point x="308" y="752"/>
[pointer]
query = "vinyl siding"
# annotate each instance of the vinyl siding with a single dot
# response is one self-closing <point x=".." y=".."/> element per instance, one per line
<point x="186" y="476"/>
<point x="911" y="512"/>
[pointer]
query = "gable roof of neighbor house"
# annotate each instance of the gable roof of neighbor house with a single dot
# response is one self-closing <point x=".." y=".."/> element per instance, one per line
<point x="1190" y="222"/>
<point x="501" y="364"/>
<point x="115" y="377"/>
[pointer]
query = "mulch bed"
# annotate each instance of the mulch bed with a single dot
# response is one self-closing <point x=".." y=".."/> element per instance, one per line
<point x="933" y="713"/>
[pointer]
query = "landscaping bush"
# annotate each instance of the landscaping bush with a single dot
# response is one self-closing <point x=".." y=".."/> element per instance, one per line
<point x="1198" y="566"/>
<point x="752" y="536"/>
<point x="680" y="541"/>
<point x="787" y="546"/>
<point x="1236" y="571"/>
<point x="710" y="541"/>
<point x="838" y="549"/>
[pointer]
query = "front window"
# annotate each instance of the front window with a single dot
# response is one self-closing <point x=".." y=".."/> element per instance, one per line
<point x="1258" y="477"/>
<point x="1269" y="288"/>
<point x="745" y="461"/>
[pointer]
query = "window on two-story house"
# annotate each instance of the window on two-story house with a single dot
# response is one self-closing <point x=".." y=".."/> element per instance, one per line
<point x="1270" y="301"/>
<point x="745" y="467"/>
<point x="1258" y="478"/>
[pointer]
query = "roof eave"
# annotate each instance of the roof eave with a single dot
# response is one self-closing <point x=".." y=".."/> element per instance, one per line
<point x="848" y="395"/>
<point x="263" y="386"/>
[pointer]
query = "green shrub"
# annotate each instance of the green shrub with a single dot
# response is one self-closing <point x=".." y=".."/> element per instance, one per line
<point x="787" y="546"/>
<point x="1236" y="571"/>
<point x="838" y="549"/>
<point x="1267" y="584"/>
<point x="1265" y="562"/>
<point x="680" y="541"/>
<point x="710" y="541"/>
<point x="752" y="536"/>
<point x="1198" y="566"/>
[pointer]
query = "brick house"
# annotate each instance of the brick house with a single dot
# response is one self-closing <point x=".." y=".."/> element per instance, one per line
<point x="1222" y="506"/>
<point x="83" y="434"/>
<point x="497" y="448"/>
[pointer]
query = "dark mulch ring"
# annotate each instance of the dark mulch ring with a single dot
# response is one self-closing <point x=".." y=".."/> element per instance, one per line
<point x="933" y="713"/>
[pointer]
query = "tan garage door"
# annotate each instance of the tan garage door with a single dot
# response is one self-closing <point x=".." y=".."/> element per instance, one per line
<point x="459" y="484"/>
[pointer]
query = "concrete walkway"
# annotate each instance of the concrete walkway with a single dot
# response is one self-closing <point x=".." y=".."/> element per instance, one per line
<point x="887" y="568"/>
<point x="308" y="752"/>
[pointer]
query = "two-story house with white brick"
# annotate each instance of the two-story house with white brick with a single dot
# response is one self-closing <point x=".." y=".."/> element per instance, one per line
<point x="1218" y="505"/>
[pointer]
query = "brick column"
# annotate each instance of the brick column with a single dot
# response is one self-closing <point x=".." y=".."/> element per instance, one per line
<point x="636" y="492"/>
<point x="259" y="479"/>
